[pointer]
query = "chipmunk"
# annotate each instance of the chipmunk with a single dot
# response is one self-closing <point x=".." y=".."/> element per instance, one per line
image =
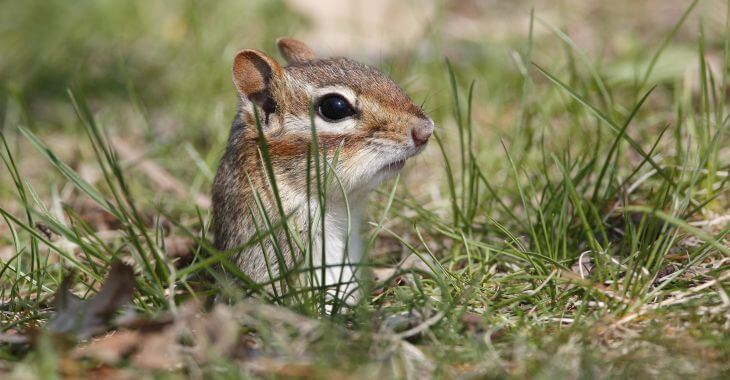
<point x="360" y="115"/>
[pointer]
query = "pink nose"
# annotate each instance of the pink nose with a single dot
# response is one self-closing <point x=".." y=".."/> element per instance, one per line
<point x="421" y="132"/>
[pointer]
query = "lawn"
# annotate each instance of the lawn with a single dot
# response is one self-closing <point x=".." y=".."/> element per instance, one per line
<point x="570" y="218"/>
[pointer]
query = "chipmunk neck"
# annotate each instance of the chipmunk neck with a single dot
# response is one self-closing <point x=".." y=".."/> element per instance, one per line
<point x="343" y="247"/>
<point x="342" y="232"/>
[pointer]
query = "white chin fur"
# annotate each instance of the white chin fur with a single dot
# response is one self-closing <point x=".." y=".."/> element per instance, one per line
<point x="367" y="169"/>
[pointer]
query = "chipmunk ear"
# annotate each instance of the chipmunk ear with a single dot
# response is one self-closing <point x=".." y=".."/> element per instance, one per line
<point x="294" y="50"/>
<point x="253" y="72"/>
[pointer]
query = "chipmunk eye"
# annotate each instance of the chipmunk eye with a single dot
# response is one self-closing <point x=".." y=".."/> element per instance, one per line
<point x="334" y="107"/>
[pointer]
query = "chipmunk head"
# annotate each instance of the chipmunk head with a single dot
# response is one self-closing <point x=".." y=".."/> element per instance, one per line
<point x="357" y="110"/>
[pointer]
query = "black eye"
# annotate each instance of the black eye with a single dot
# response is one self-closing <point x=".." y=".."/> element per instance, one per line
<point x="334" y="107"/>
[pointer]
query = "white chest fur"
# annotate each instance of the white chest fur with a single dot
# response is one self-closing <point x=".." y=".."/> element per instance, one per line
<point x="342" y="252"/>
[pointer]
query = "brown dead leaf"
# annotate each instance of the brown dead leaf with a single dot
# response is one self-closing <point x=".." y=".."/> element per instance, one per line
<point x="155" y="344"/>
<point x="216" y="335"/>
<point x="110" y="348"/>
<point x="158" y="350"/>
<point x="146" y="350"/>
<point x="145" y="347"/>
<point x="105" y="372"/>
<point x="281" y="368"/>
<point x="85" y="318"/>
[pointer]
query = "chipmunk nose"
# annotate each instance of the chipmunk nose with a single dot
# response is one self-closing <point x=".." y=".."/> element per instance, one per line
<point x="421" y="132"/>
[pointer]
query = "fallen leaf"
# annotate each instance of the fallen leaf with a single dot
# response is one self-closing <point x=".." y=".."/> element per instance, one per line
<point x="156" y="344"/>
<point x="85" y="318"/>
<point x="158" y="350"/>
<point x="215" y="335"/>
<point x="298" y="369"/>
<point x="110" y="348"/>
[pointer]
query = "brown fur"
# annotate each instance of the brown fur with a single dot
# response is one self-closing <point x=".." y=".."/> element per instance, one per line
<point x="294" y="51"/>
<point x="385" y="115"/>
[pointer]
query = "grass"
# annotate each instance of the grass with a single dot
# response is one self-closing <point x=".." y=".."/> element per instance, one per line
<point x="569" y="220"/>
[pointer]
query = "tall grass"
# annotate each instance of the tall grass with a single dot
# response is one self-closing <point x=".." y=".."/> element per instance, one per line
<point x="583" y="234"/>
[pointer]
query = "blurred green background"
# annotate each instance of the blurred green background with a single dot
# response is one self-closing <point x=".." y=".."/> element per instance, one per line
<point x="172" y="59"/>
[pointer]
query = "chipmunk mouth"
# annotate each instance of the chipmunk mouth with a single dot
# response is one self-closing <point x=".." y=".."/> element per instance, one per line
<point x="394" y="166"/>
<point x="398" y="162"/>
